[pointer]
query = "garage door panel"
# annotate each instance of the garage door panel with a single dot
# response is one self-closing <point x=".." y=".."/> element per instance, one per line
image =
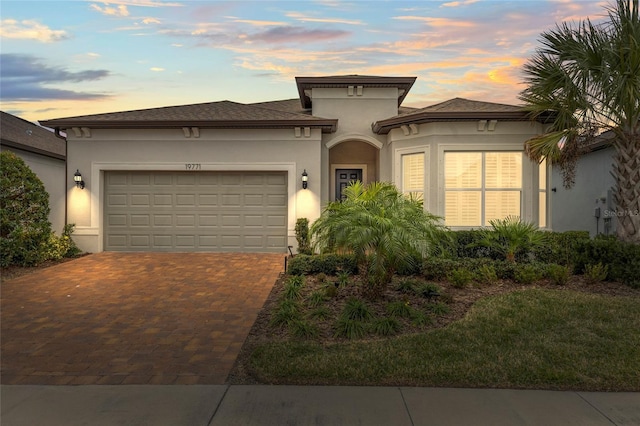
<point x="208" y="199"/>
<point x="188" y="200"/>
<point x="162" y="200"/>
<point x="140" y="220"/>
<point x="188" y="220"/>
<point x="140" y="241"/>
<point x="140" y="179"/>
<point x="207" y="220"/>
<point x="117" y="200"/>
<point x="195" y="211"/>
<point x="162" y="220"/>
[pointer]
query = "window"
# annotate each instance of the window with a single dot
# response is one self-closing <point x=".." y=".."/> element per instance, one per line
<point x="542" y="197"/>
<point x="482" y="186"/>
<point x="413" y="174"/>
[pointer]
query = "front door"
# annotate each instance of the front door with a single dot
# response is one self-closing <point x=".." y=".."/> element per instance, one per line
<point x="343" y="178"/>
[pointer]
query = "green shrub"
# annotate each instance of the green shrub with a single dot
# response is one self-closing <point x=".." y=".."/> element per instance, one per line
<point x="356" y="309"/>
<point x="529" y="273"/>
<point x="62" y="246"/>
<point x="428" y="290"/>
<point x="317" y="298"/>
<point x="595" y="273"/>
<point x="350" y="328"/>
<point x="560" y="247"/>
<point x="24" y="214"/>
<point x="330" y="264"/>
<point x="460" y="277"/>
<point x="302" y="236"/>
<point x="331" y="291"/>
<point x="303" y="329"/>
<point x="468" y="245"/>
<point x="622" y="258"/>
<point x="512" y="237"/>
<point x="321" y="313"/>
<point x="559" y="274"/>
<point x="407" y="285"/>
<point x="438" y="268"/>
<point x="293" y="287"/>
<point x="343" y="279"/>
<point x="439" y="308"/>
<point x="505" y="270"/>
<point x="286" y="312"/>
<point x="486" y="274"/>
<point x="385" y="326"/>
<point x="398" y="308"/>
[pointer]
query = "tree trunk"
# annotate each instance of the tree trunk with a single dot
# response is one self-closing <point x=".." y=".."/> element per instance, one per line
<point x="626" y="172"/>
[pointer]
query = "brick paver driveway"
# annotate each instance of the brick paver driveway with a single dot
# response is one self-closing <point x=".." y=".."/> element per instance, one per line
<point x="133" y="318"/>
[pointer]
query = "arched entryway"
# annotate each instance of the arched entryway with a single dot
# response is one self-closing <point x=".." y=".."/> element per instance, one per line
<point x="352" y="160"/>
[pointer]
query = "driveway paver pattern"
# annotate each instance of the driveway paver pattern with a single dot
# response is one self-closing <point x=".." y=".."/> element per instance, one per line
<point x="133" y="318"/>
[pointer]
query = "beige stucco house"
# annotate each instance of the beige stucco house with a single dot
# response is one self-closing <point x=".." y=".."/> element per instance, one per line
<point x="225" y="176"/>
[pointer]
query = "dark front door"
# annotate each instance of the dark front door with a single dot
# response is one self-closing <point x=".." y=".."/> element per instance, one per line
<point x="343" y="178"/>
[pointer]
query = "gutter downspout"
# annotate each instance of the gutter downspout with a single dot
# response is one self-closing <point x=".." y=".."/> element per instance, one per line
<point x="66" y="171"/>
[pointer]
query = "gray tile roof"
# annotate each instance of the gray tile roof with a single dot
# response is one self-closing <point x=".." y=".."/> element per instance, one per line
<point x="21" y="134"/>
<point x="223" y="114"/>
<point x="453" y="109"/>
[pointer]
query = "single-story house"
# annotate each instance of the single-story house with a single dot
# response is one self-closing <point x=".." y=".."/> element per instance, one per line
<point x="588" y="205"/>
<point x="227" y="176"/>
<point x="45" y="155"/>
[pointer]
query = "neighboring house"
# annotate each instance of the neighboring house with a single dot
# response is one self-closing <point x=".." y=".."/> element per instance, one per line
<point x="225" y="176"/>
<point x="45" y="154"/>
<point x="588" y="205"/>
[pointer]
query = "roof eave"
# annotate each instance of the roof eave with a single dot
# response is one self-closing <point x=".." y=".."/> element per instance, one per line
<point x="327" y="126"/>
<point x="384" y="126"/>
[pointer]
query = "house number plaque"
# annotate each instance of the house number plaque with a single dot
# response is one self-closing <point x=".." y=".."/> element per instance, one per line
<point x="193" y="166"/>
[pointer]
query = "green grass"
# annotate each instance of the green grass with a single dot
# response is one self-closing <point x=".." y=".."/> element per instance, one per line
<point x="534" y="338"/>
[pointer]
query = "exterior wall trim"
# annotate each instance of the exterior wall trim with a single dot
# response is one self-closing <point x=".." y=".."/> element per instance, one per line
<point x="354" y="136"/>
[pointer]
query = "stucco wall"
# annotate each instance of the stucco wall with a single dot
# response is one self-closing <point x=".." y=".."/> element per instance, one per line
<point x="51" y="172"/>
<point x="573" y="209"/>
<point x="267" y="150"/>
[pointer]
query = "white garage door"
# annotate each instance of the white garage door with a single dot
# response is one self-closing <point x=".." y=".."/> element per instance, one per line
<point x="195" y="211"/>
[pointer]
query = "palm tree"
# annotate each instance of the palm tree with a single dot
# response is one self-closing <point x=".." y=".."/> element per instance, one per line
<point x="586" y="79"/>
<point x="383" y="228"/>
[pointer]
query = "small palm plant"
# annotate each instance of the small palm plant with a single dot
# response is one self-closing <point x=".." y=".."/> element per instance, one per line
<point x="511" y="236"/>
<point x="382" y="227"/>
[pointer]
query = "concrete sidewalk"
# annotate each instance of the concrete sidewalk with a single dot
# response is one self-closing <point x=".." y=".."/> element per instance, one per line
<point x="197" y="405"/>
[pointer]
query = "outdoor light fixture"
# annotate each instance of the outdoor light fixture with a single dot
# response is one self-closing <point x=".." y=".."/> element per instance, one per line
<point x="305" y="179"/>
<point x="77" y="178"/>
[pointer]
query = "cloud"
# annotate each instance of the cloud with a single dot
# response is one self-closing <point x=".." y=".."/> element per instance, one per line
<point x="458" y="3"/>
<point x="148" y="21"/>
<point x="303" y="18"/>
<point x="296" y="35"/>
<point x="257" y="23"/>
<point x="24" y="77"/>
<point x="31" y="30"/>
<point x="437" y="22"/>
<point x="156" y="69"/>
<point x="142" y="3"/>
<point x="120" y="11"/>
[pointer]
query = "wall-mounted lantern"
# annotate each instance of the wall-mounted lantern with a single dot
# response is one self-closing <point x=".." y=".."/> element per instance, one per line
<point x="305" y="179"/>
<point x="77" y="178"/>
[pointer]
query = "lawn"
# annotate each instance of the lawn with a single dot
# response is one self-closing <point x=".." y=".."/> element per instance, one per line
<point x="540" y="336"/>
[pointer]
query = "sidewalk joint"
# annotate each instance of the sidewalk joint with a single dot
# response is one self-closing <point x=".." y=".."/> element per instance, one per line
<point x="406" y="407"/>
<point x="218" y="406"/>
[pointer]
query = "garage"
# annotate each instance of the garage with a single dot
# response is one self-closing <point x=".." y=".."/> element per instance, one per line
<point x="196" y="211"/>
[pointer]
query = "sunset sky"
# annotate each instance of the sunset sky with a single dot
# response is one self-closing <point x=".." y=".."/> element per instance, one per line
<point x="67" y="58"/>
